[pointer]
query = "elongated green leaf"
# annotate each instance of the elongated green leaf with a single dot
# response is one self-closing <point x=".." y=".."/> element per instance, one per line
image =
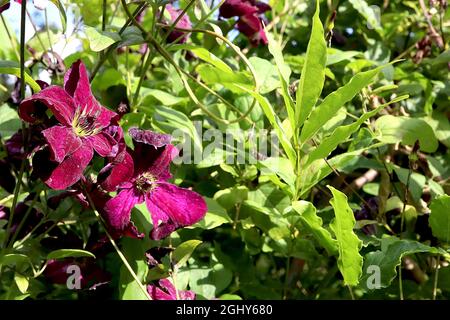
<point x="12" y="67"/>
<point x="184" y="251"/>
<point x="389" y="259"/>
<point x="313" y="71"/>
<point x="69" y="253"/>
<point x="100" y="40"/>
<point x="313" y="222"/>
<point x="284" y="72"/>
<point x="334" y="101"/>
<point x="209" y="57"/>
<point x="408" y="131"/>
<point x="276" y="123"/>
<point x="350" y="261"/>
<point x="341" y="133"/>
<point x="440" y="218"/>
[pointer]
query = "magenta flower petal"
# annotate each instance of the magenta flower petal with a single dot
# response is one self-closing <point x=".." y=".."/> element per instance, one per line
<point x="62" y="142"/>
<point x="183" y="23"/>
<point x="120" y="172"/>
<point x="76" y="83"/>
<point x="117" y="210"/>
<point x="166" y="291"/>
<point x="54" y="98"/>
<point x="237" y="8"/>
<point x="103" y="144"/>
<point x="161" y="165"/>
<point x="173" y="207"/>
<point x="71" y="169"/>
<point x="251" y="26"/>
<point x="148" y="137"/>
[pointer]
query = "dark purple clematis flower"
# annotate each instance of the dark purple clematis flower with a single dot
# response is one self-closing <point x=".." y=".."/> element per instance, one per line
<point x="183" y="23"/>
<point x="167" y="291"/>
<point x="250" y="20"/>
<point x="171" y="207"/>
<point x="81" y="128"/>
<point x="251" y="26"/>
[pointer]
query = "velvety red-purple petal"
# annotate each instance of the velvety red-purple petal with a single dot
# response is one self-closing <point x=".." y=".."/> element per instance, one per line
<point x="183" y="23"/>
<point x="62" y="142"/>
<point x="160" y="167"/>
<point x="103" y="144"/>
<point x="117" y="211"/>
<point x="76" y="83"/>
<point x="54" y="98"/>
<point x="172" y="207"/>
<point x="236" y="8"/>
<point x="262" y="7"/>
<point x="148" y="137"/>
<point x="249" y="25"/>
<point x="167" y="291"/>
<point x="71" y="169"/>
<point x="119" y="173"/>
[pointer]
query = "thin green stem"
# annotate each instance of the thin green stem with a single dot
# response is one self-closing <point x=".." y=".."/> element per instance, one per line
<point x="436" y="277"/>
<point x="286" y="277"/>
<point x="22" y="95"/>
<point x="116" y="248"/>
<point x="24" y="219"/>
<point x="104" y="15"/>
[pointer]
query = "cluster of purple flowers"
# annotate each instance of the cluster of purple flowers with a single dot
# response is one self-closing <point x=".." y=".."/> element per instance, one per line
<point x="68" y="128"/>
<point x="77" y="129"/>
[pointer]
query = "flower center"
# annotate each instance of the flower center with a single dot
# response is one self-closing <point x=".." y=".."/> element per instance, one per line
<point x="84" y="123"/>
<point x="145" y="182"/>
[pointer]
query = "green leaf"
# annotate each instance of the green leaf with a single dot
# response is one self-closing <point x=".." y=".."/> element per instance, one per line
<point x="212" y="75"/>
<point x="209" y="57"/>
<point x="132" y="35"/>
<point x="266" y="73"/>
<point x="369" y="13"/>
<point x="12" y="67"/>
<point x="334" y="101"/>
<point x="350" y="261"/>
<point x="215" y="217"/>
<point x="389" y="258"/>
<point x="14" y="258"/>
<point x="313" y="223"/>
<point x="276" y="123"/>
<point x="341" y="133"/>
<point x="284" y="72"/>
<point x="21" y="282"/>
<point x="184" y="251"/>
<point x="440" y="218"/>
<point x="407" y="130"/>
<point x="100" y="40"/>
<point x="9" y="122"/>
<point x="313" y="72"/>
<point x="69" y="253"/>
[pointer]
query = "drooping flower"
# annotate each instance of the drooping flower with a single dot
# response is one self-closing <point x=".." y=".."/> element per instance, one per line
<point x="166" y="291"/>
<point x="250" y="18"/>
<point x="183" y="23"/>
<point x="81" y="127"/>
<point x="171" y="207"/>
